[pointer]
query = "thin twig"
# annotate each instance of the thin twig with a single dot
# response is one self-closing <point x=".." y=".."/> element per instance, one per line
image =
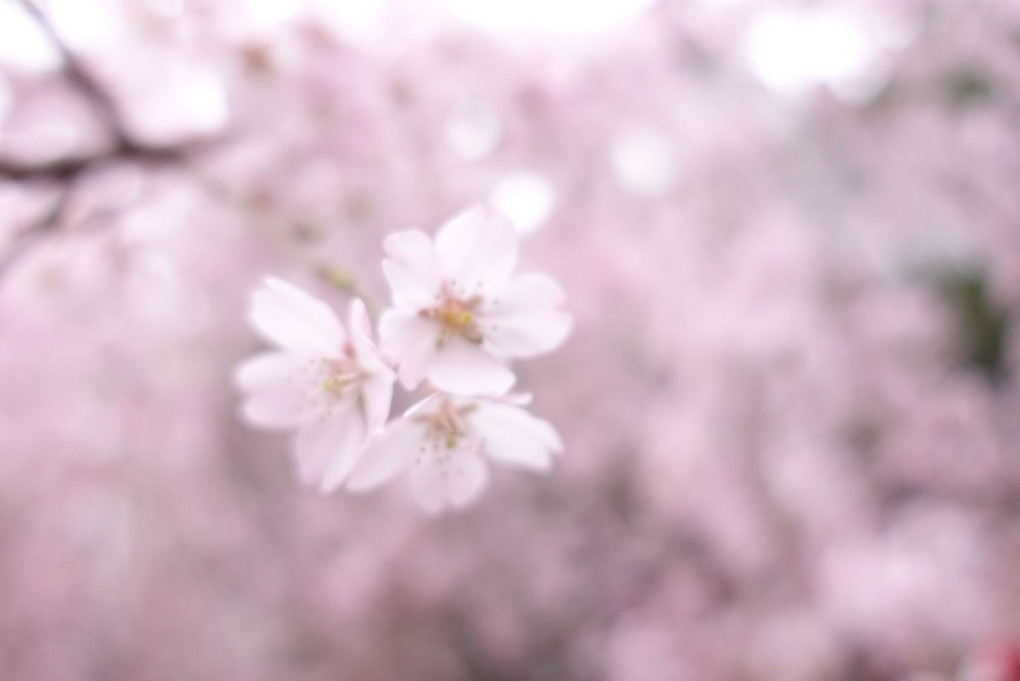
<point x="76" y="73"/>
<point x="33" y="234"/>
<point x="69" y="171"/>
<point x="63" y="169"/>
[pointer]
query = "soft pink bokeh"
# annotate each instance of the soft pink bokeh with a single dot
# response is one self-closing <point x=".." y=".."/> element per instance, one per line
<point x="789" y="403"/>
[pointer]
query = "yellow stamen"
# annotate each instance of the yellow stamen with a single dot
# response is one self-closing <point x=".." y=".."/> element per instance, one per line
<point x="456" y="318"/>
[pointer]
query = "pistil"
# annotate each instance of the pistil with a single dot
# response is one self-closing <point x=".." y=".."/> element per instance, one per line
<point x="456" y="318"/>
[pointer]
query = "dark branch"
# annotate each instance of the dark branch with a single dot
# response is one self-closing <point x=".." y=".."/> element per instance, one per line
<point x="25" y="240"/>
<point x="69" y="171"/>
<point x="76" y="73"/>
<point x="63" y="169"/>
<point x="124" y="146"/>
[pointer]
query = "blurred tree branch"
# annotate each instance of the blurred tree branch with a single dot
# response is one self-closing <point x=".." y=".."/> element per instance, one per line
<point x="63" y="169"/>
<point x="124" y="145"/>
<point x="78" y="75"/>
<point x="68" y="171"/>
<point x="31" y="235"/>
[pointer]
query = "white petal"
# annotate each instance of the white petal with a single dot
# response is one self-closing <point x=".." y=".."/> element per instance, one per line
<point x="518" y="399"/>
<point x="467" y="480"/>
<point x="429" y="404"/>
<point x="410" y="341"/>
<point x="466" y="368"/>
<point x="531" y="290"/>
<point x="526" y="336"/>
<point x="524" y="321"/>
<point x="413" y="270"/>
<point x="366" y="352"/>
<point x="387" y="455"/>
<point x="277" y="410"/>
<point x="346" y="457"/>
<point x="328" y="449"/>
<point x="292" y="319"/>
<point x="377" y="390"/>
<point x="460" y="401"/>
<point x="436" y="486"/>
<point x="377" y="393"/>
<point x="514" y="437"/>
<point x="274" y="382"/>
<point x="428" y="487"/>
<point x="358" y="320"/>
<point x="269" y="371"/>
<point x="478" y="249"/>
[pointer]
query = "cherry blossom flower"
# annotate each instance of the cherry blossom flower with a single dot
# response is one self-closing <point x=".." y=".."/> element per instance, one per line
<point x="443" y="442"/>
<point x="458" y="312"/>
<point x="327" y="382"/>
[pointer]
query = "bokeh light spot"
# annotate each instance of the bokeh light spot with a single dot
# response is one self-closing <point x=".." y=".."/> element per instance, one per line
<point x="794" y="50"/>
<point x="473" y="130"/>
<point x="23" y="45"/>
<point x="644" y="161"/>
<point x="556" y="16"/>
<point x="527" y="197"/>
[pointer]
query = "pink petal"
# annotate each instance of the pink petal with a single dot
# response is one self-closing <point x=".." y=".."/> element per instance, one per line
<point x="467" y="481"/>
<point x="275" y="383"/>
<point x="328" y="449"/>
<point x="377" y="393"/>
<point x="270" y="371"/>
<point x="529" y="291"/>
<point x="292" y="319"/>
<point x="526" y="336"/>
<point x="409" y="340"/>
<point x="412" y="270"/>
<point x="346" y="457"/>
<point x="524" y="321"/>
<point x="466" y="368"/>
<point x="358" y="320"/>
<point x="428" y="488"/>
<point x="366" y="352"/>
<point x="387" y="455"/>
<point x="478" y="249"/>
<point x="518" y="399"/>
<point x="276" y="410"/>
<point x="514" y="437"/>
<point x="428" y="404"/>
<point x="457" y="483"/>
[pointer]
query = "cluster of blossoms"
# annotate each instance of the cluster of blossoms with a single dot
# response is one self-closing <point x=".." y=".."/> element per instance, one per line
<point x="459" y="316"/>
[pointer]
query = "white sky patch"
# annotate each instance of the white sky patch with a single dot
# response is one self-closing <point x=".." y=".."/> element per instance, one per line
<point x="558" y="16"/>
<point x="354" y="18"/>
<point x="644" y="161"/>
<point x="23" y="45"/>
<point x="473" y="130"/>
<point x="204" y="101"/>
<point x="268" y="13"/>
<point x="169" y="9"/>
<point x="527" y="197"/>
<point x="188" y="102"/>
<point x="793" y="50"/>
<point x="85" y="26"/>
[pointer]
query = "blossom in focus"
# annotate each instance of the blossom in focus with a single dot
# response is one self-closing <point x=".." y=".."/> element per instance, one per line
<point x="443" y="441"/>
<point x="328" y="383"/>
<point x="458" y="313"/>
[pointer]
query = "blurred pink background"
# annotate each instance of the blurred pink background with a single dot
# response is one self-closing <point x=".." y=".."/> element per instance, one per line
<point x="790" y="234"/>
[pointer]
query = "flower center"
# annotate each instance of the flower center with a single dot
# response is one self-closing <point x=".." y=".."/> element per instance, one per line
<point x="456" y="318"/>
<point x="336" y="376"/>
<point x="446" y="425"/>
